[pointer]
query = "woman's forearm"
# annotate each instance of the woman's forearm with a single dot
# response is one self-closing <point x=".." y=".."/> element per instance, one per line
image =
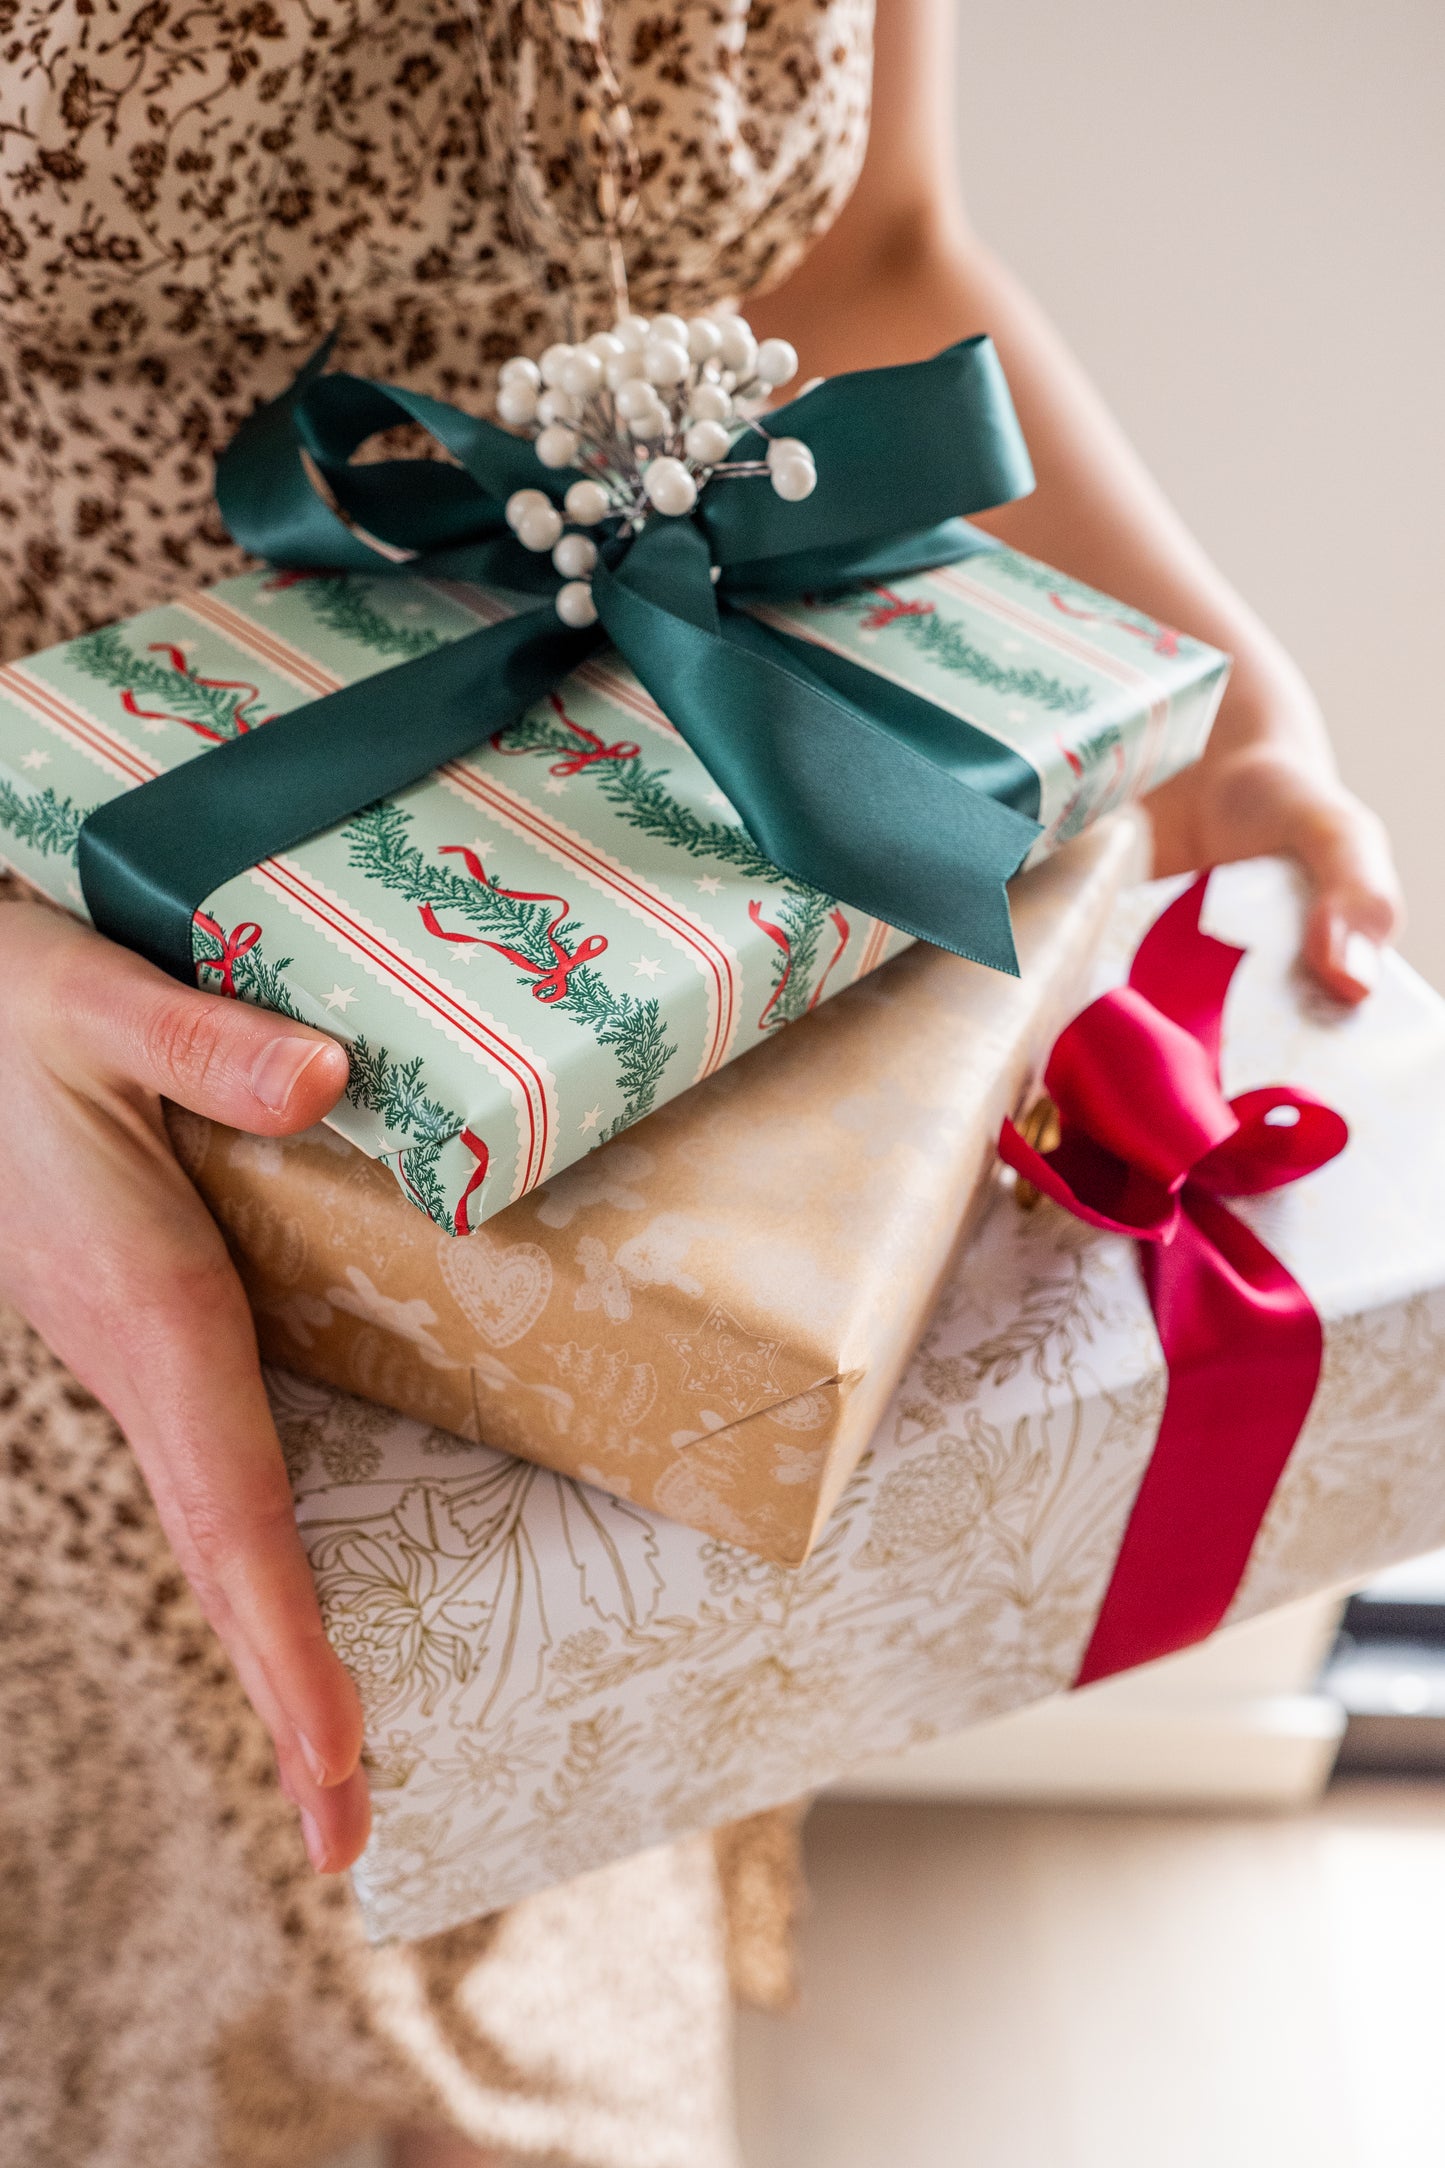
<point x="1096" y="511"/>
<point x="899" y="275"/>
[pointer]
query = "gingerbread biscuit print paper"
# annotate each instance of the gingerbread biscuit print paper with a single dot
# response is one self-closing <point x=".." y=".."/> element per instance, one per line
<point x="544" y="941"/>
<point x="707" y="1315"/>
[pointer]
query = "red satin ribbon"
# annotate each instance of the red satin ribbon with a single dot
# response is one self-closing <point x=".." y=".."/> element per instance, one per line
<point x="482" y="1157"/>
<point x="234" y="946"/>
<point x="1150" y="1147"/>
<point x="551" y="985"/>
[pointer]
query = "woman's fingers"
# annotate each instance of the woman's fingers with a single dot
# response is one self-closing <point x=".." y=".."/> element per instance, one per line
<point x="1357" y="906"/>
<point x="193" y="1406"/>
<point x="111" y="1014"/>
<point x="1279" y="801"/>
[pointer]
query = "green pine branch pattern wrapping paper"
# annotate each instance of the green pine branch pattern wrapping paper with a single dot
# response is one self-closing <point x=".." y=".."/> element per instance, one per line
<point x="529" y="950"/>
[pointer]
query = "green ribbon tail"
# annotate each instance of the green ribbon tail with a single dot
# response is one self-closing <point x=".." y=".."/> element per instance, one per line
<point x="878" y="812"/>
<point x="149" y="859"/>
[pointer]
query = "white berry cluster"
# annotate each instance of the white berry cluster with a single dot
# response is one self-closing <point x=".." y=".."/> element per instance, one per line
<point x="649" y="412"/>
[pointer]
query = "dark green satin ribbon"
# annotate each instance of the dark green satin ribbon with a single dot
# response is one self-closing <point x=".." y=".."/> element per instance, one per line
<point x="846" y="781"/>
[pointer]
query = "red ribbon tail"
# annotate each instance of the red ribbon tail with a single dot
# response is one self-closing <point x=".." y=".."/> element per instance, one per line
<point x="1149" y="1146"/>
<point x="163" y="715"/>
<point x="434" y="925"/>
<point x="482" y="1157"/>
<point x="1244" y="1346"/>
<point x="777" y="936"/>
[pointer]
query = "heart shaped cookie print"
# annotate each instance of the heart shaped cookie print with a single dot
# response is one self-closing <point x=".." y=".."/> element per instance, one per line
<point x="501" y="1288"/>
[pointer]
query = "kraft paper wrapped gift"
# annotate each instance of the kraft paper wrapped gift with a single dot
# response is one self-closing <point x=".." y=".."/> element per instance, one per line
<point x="708" y="1315"/>
<point x="554" y="1677"/>
<point x="544" y="940"/>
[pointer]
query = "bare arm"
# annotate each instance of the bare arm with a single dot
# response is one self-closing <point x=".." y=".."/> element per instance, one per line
<point x="900" y="275"/>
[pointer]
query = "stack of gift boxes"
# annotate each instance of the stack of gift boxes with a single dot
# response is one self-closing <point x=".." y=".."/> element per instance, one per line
<point x="557" y="1216"/>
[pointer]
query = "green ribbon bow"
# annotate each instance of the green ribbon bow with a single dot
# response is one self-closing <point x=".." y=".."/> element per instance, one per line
<point x="846" y="781"/>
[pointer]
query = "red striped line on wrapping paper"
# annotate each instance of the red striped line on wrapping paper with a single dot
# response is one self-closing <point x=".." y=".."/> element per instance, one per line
<point x="873" y="947"/>
<point x="623" y="690"/>
<point x="1065" y="640"/>
<point x="715" y="960"/>
<point x="513" y="1062"/>
<point x="712" y="955"/>
<point x="87" y="731"/>
<point x="262" y="643"/>
<point x="510" y="1060"/>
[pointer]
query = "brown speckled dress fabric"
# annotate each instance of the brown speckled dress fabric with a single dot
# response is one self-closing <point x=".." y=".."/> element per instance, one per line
<point x="190" y="193"/>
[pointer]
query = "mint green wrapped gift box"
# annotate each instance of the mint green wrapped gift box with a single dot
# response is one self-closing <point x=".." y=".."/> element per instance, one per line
<point x="543" y="940"/>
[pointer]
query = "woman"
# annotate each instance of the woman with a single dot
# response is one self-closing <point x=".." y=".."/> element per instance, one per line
<point x="187" y="200"/>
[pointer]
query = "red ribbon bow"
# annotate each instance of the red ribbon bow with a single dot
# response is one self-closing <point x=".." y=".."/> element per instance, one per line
<point x="1150" y="1147"/>
<point x="234" y="945"/>
<point x="551" y="985"/>
<point x="589" y="750"/>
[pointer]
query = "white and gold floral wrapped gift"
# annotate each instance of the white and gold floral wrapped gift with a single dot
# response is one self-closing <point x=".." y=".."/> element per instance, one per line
<point x="555" y="1677"/>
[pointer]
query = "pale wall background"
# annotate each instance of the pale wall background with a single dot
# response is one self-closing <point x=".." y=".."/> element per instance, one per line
<point x="1236" y="210"/>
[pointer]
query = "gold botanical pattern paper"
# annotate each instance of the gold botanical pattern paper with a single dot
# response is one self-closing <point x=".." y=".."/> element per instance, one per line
<point x="707" y="1315"/>
<point x="555" y="1677"/>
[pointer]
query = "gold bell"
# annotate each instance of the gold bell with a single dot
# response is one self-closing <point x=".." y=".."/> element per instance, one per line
<point x="1038" y="1125"/>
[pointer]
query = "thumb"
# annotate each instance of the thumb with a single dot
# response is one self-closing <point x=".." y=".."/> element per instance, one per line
<point x="110" y="1013"/>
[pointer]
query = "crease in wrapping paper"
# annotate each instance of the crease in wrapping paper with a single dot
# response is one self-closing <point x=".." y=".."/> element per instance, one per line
<point x="707" y="1315"/>
<point x="553" y="1678"/>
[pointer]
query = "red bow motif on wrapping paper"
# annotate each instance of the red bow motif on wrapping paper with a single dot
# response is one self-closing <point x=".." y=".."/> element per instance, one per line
<point x="1150" y="1147"/>
<point x="551" y="984"/>
<point x="234" y="945"/>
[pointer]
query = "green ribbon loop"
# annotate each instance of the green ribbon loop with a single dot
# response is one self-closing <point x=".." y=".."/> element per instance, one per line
<point x="846" y="781"/>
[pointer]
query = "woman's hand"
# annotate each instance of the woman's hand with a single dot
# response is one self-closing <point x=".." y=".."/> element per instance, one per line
<point x="1267" y="785"/>
<point x="111" y="1255"/>
<point x="899" y="276"/>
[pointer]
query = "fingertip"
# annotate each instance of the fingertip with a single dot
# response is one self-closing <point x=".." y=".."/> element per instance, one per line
<point x="1360" y="962"/>
<point x="1344" y="958"/>
<point x="331" y="1749"/>
<point x="336" y="1824"/>
<point x="297" y="1078"/>
<point x="320" y="1083"/>
<point x="326" y="1716"/>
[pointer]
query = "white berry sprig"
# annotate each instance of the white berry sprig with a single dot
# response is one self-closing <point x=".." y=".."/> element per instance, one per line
<point x="649" y="412"/>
